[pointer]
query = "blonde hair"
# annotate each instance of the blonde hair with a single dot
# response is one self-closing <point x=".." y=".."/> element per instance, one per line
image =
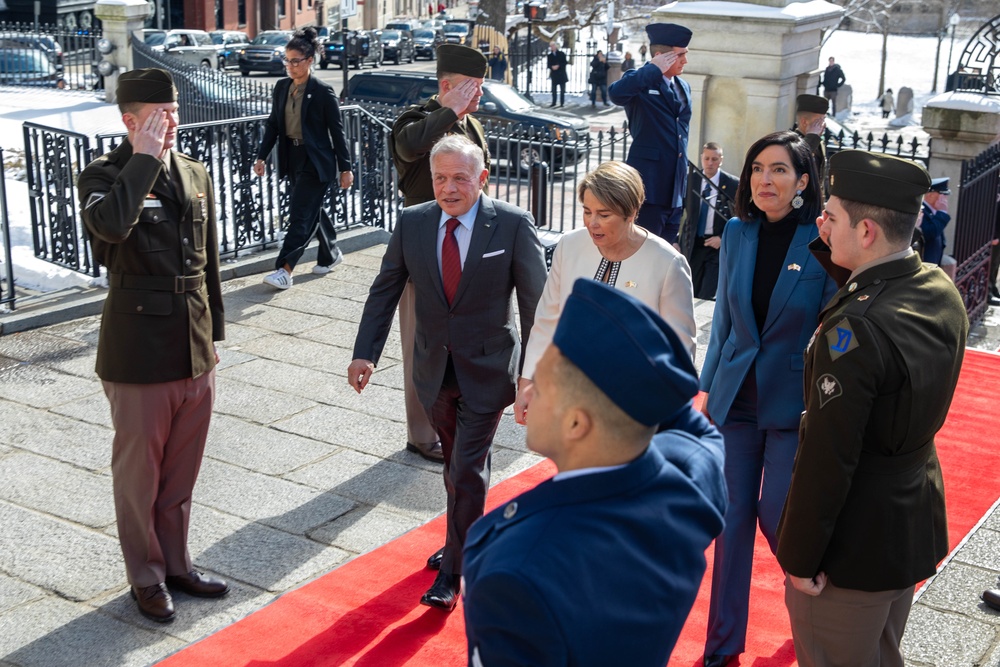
<point x="616" y="185"/>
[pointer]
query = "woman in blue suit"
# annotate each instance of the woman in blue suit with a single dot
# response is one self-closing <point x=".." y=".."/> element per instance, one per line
<point x="771" y="290"/>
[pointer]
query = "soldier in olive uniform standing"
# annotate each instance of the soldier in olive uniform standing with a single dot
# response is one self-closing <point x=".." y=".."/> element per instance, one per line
<point x="810" y="122"/>
<point x="864" y="520"/>
<point x="460" y="73"/>
<point x="150" y="212"/>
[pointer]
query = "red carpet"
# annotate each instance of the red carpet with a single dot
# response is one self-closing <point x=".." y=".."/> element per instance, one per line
<point x="366" y="612"/>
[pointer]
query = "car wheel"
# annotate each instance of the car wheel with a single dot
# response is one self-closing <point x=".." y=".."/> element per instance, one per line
<point x="396" y="60"/>
<point x="527" y="156"/>
<point x="323" y="65"/>
<point x="245" y="72"/>
<point x="205" y="63"/>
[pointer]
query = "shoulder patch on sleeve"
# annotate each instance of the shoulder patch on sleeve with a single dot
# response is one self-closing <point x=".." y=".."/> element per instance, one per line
<point x="94" y="198"/>
<point x="841" y="339"/>
<point x="829" y="389"/>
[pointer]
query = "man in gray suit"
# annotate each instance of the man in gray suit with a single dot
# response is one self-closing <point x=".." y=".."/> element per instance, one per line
<point x="465" y="254"/>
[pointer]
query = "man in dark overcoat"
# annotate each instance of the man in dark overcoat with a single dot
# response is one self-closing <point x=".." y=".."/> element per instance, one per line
<point x="864" y="519"/>
<point x="460" y="74"/>
<point x="466" y="255"/>
<point x="658" y="104"/>
<point x="150" y="212"/>
<point x="556" y="62"/>
<point x="601" y="564"/>
<point x="707" y="210"/>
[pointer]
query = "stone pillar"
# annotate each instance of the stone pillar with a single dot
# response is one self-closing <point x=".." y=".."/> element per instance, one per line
<point x="747" y="63"/>
<point x="961" y="125"/>
<point x="120" y="18"/>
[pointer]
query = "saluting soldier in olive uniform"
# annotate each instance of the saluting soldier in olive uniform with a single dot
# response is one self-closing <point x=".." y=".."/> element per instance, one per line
<point x="864" y="520"/>
<point x="150" y="212"/>
<point x="460" y="73"/>
<point x="810" y="121"/>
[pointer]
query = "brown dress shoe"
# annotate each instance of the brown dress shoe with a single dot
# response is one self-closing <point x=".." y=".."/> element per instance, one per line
<point x="199" y="585"/>
<point x="429" y="450"/>
<point x="154" y="602"/>
<point x="443" y="594"/>
<point x="434" y="562"/>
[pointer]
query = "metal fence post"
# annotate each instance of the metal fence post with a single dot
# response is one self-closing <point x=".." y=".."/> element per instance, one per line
<point x="6" y="295"/>
<point x="540" y="193"/>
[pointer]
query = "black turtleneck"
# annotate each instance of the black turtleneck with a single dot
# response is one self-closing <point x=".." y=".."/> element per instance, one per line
<point x="772" y="247"/>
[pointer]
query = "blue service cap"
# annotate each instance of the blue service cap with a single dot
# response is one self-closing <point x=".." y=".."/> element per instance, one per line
<point x="668" y="34"/>
<point x="625" y="348"/>
<point x="940" y="185"/>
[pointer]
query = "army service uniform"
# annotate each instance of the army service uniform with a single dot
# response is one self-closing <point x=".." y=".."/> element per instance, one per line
<point x="154" y="229"/>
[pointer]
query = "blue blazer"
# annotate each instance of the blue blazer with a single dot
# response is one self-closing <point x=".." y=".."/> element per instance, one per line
<point x="802" y="289"/>
<point x="600" y="569"/>
<point x="659" y="125"/>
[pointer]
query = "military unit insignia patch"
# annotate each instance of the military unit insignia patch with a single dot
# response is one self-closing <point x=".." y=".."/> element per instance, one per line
<point x="829" y="388"/>
<point x="841" y="339"/>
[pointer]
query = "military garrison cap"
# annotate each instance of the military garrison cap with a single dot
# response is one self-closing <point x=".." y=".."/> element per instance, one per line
<point x="146" y="85"/>
<point x="668" y="34"/>
<point x="458" y="59"/>
<point x="879" y="180"/>
<point x="625" y="348"/>
<point x="811" y="104"/>
<point x="940" y="185"/>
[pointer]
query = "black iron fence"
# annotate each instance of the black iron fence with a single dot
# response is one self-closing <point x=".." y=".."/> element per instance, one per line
<point x="7" y="279"/>
<point x="913" y="149"/>
<point x="49" y="55"/>
<point x="205" y="94"/>
<point x="975" y="222"/>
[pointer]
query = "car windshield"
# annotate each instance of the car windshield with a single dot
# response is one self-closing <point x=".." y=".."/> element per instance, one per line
<point x="154" y="38"/>
<point x="271" y="39"/>
<point x="336" y="38"/>
<point x="389" y="34"/>
<point x="24" y="62"/>
<point x="509" y="97"/>
<point x="456" y="27"/>
<point x="216" y="38"/>
<point x="423" y="34"/>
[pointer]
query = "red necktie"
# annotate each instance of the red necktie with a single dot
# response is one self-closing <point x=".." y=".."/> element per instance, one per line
<point x="451" y="261"/>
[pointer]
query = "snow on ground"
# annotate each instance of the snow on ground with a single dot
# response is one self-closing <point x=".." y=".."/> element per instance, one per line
<point x="910" y="63"/>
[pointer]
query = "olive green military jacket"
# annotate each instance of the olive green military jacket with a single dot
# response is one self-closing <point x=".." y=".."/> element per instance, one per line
<point x="413" y="137"/>
<point x="159" y="244"/>
<point x="866" y="502"/>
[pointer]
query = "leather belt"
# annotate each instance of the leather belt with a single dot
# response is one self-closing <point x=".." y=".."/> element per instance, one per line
<point x="175" y="284"/>
<point x="297" y="142"/>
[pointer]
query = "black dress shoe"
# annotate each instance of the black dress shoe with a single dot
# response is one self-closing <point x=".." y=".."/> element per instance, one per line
<point x="154" y="602"/>
<point x="994" y="301"/>
<point x="199" y="585"/>
<point x="444" y="593"/>
<point x="429" y="450"/>
<point x="992" y="598"/>
<point x="718" y="660"/>
<point x="434" y="562"/>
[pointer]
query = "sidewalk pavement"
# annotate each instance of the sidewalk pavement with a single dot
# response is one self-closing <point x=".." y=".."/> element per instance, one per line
<point x="300" y="475"/>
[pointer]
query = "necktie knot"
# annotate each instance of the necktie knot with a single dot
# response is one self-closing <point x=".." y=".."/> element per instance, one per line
<point x="707" y="191"/>
<point x="452" y="225"/>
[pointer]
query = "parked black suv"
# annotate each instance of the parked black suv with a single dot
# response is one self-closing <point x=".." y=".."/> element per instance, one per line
<point x="397" y="46"/>
<point x="425" y="43"/>
<point x="517" y="130"/>
<point x="363" y="48"/>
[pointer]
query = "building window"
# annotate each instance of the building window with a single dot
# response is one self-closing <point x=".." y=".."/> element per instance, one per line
<point x="281" y="8"/>
<point x="241" y="12"/>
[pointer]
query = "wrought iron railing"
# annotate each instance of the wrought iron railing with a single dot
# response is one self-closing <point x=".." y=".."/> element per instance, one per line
<point x="889" y="144"/>
<point x="7" y="288"/>
<point x="975" y="222"/>
<point x="71" y="52"/>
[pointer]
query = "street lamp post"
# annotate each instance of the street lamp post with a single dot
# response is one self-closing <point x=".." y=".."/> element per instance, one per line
<point x="952" y="23"/>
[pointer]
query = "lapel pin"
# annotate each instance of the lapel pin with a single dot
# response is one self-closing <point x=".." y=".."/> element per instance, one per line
<point x="630" y="283"/>
<point x="852" y="287"/>
<point x="794" y="267"/>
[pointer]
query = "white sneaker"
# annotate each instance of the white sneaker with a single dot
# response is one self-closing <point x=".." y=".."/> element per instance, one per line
<point x="321" y="270"/>
<point x="281" y="279"/>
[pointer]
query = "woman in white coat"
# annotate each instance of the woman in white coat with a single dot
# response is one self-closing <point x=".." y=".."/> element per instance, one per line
<point x="611" y="248"/>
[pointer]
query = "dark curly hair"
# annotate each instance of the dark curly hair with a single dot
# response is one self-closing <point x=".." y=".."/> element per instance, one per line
<point x="802" y="162"/>
<point x="304" y="41"/>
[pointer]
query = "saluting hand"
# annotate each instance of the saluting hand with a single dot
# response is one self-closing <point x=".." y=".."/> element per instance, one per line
<point x="359" y="373"/>
<point x="817" y="126"/>
<point x="149" y="138"/>
<point x="664" y="60"/>
<point x="458" y="98"/>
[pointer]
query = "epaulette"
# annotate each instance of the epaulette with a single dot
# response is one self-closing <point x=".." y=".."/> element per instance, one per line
<point x="859" y="302"/>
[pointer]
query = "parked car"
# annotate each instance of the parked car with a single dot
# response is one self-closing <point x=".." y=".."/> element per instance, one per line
<point x="518" y="131"/>
<point x="397" y="45"/>
<point x="51" y="47"/>
<point x="265" y="52"/>
<point x="456" y="33"/>
<point x="364" y="48"/>
<point x="228" y="43"/>
<point x="28" y="67"/>
<point x="425" y="43"/>
<point x="192" y="46"/>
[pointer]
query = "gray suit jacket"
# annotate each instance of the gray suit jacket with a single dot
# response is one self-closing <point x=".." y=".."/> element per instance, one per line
<point x="479" y="329"/>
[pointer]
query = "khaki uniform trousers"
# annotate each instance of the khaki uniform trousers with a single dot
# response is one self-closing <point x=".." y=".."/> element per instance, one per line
<point x="160" y="434"/>
<point x="848" y="628"/>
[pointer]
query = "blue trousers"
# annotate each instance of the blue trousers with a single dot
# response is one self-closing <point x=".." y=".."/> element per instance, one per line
<point x="306" y="216"/>
<point x="663" y="221"/>
<point x="758" y="472"/>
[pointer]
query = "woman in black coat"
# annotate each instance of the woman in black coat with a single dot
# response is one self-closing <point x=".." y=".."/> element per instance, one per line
<point x="599" y="78"/>
<point x="312" y="153"/>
